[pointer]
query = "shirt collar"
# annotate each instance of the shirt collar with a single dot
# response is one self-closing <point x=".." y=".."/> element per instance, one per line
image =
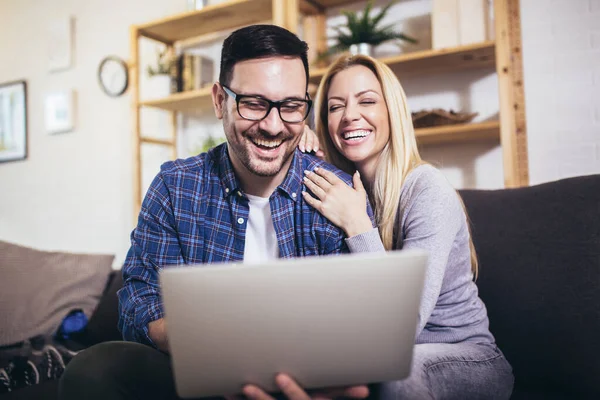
<point x="291" y="185"/>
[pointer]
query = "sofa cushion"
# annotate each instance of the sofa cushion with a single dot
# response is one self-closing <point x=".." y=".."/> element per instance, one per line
<point x="539" y="253"/>
<point x="39" y="288"/>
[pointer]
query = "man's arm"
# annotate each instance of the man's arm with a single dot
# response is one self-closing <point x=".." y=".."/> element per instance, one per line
<point x="158" y="333"/>
<point x="154" y="245"/>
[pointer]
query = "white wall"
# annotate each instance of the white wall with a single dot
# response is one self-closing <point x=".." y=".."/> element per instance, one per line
<point x="561" y="53"/>
<point x="74" y="192"/>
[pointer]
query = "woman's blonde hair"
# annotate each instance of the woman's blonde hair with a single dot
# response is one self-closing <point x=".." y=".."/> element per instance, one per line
<point x="398" y="158"/>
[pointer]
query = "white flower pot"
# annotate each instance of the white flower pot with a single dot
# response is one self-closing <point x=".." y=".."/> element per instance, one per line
<point x="362" y="48"/>
<point x="159" y="86"/>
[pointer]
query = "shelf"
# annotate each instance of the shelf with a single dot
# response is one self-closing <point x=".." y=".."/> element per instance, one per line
<point x="481" y="131"/>
<point x="311" y="7"/>
<point x="478" y="55"/>
<point x="218" y="17"/>
<point x="192" y="101"/>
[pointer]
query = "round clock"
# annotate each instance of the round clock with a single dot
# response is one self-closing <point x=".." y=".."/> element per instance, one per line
<point x="113" y="76"/>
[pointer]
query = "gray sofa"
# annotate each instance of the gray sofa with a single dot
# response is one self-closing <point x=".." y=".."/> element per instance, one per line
<point x="539" y="252"/>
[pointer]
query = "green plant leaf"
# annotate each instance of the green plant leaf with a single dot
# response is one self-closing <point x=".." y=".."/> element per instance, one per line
<point x="382" y="13"/>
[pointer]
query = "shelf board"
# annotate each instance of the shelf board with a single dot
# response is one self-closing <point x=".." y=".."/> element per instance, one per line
<point x="460" y="133"/>
<point x="310" y="7"/>
<point x="477" y="55"/>
<point x="192" y="101"/>
<point x="217" y="17"/>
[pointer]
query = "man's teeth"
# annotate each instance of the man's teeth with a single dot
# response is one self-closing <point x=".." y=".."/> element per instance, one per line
<point x="356" y="134"/>
<point x="267" y="143"/>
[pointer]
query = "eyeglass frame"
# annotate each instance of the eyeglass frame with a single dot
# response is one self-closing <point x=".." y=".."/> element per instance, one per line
<point x="277" y="104"/>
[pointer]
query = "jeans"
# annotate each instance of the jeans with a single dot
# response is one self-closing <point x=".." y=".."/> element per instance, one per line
<point x="453" y="371"/>
<point x="126" y="370"/>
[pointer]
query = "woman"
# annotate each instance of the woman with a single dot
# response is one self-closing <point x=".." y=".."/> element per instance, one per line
<point x="364" y="127"/>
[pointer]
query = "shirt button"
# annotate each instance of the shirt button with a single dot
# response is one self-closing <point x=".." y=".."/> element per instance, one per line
<point x="226" y="190"/>
<point x="239" y="193"/>
<point x="294" y="195"/>
<point x="240" y="221"/>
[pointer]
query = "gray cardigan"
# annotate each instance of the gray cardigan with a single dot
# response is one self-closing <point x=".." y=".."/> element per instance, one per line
<point x="432" y="219"/>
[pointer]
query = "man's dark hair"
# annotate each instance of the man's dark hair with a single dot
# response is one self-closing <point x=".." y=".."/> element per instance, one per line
<point x="259" y="41"/>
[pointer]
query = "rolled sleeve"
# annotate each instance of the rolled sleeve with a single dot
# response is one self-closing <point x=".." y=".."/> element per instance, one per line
<point x="154" y="245"/>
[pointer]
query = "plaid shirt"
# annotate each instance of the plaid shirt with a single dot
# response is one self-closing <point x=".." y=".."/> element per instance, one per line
<point x="195" y="212"/>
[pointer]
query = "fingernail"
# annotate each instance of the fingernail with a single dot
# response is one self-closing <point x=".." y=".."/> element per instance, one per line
<point x="301" y="148"/>
<point x="282" y="381"/>
<point x="306" y="172"/>
<point x="248" y="391"/>
<point x="308" y="149"/>
<point x="316" y="169"/>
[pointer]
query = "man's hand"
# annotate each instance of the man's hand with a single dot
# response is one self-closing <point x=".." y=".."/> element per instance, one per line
<point x="157" y="330"/>
<point x="293" y="391"/>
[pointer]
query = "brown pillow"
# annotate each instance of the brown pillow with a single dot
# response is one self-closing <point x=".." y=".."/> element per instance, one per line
<point x="39" y="288"/>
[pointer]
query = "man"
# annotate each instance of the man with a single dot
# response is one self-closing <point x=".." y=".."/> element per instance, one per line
<point x="239" y="202"/>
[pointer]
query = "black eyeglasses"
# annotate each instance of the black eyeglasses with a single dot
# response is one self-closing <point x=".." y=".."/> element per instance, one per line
<point x="256" y="108"/>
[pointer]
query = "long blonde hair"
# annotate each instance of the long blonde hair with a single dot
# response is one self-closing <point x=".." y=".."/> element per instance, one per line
<point x="398" y="158"/>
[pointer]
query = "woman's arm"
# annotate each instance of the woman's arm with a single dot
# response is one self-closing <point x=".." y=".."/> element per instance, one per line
<point x="432" y="216"/>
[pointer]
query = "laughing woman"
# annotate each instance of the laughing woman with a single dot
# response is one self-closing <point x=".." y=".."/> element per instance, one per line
<point x="364" y="126"/>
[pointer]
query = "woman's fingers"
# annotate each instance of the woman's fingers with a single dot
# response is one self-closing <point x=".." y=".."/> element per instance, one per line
<point x="302" y="144"/>
<point x="317" y="179"/>
<point x="329" y="176"/>
<point x="315" y="188"/>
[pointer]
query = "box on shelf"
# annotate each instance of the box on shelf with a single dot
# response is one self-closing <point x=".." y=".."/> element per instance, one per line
<point x="461" y="22"/>
<point x="444" y="24"/>
<point x="473" y="21"/>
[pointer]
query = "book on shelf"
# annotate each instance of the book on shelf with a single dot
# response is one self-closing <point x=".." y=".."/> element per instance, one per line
<point x="191" y="72"/>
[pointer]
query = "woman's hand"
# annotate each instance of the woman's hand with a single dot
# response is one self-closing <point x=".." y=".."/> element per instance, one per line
<point x="344" y="206"/>
<point x="310" y="142"/>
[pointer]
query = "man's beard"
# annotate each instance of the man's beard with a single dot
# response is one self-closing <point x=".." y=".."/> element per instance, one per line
<point x="256" y="165"/>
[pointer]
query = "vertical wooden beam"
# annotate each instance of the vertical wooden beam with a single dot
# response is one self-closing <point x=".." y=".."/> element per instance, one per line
<point x="509" y="66"/>
<point x="174" y="134"/>
<point x="315" y="30"/>
<point x="134" y="63"/>
<point x="278" y="7"/>
<point x="285" y="14"/>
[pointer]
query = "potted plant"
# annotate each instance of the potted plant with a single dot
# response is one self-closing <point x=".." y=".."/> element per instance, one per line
<point x="361" y="33"/>
<point x="160" y="74"/>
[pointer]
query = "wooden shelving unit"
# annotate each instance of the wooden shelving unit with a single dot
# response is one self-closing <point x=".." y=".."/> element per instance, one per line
<point x="503" y="54"/>
<point x="481" y="131"/>
<point x="479" y="55"/>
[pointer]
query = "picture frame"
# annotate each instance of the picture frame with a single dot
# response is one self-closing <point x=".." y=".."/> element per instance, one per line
<point x="59" y="110"/>
<point x="13" y="121"/>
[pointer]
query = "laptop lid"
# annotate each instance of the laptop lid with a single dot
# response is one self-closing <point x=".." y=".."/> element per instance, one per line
<point x="326" y="321"/>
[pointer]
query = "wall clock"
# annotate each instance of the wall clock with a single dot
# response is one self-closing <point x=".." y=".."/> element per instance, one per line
<point x="113" y="76"/>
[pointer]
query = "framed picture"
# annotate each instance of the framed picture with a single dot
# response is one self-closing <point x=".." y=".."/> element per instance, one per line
<point x="60" y="32"/>
<point x="13" y="121"/>
<point x="59" y="110"/>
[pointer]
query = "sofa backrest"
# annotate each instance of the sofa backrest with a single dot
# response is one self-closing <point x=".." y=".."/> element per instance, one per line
<point x="539" y="254"/>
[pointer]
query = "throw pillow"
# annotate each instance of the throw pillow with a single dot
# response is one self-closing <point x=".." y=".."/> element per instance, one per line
<point x="39" y="288"/>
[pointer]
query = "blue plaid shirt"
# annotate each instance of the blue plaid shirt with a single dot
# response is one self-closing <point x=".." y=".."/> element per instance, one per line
<point x="195" y="212"/>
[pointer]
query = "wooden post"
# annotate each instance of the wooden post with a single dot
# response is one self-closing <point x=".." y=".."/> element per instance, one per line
<point x="314" y="28"/>
<point x="509" y="66"/>
<point x="174" y="134"/>
<point x="136" y="137"/>
<point x="285" y="14"/>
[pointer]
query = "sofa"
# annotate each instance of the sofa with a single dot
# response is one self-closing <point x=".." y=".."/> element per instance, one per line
<point x="539" y="256"/>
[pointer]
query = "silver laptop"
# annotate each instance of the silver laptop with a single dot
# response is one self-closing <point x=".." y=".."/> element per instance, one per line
<point x="326" y="321"/>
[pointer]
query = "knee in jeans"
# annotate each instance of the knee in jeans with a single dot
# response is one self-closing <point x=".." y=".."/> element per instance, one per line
<point x="93" y="366"/>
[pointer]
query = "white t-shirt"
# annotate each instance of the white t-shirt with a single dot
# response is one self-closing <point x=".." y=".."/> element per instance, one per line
<point x="261" y="239"/>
